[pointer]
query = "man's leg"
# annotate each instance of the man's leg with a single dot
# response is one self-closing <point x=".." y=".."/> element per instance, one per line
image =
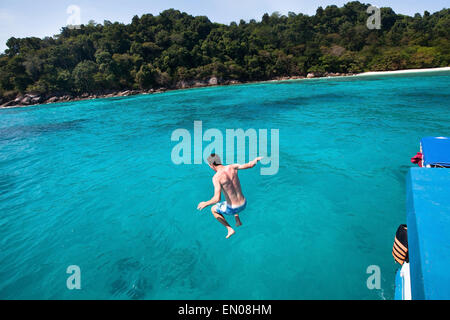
<point x="238" y="221"/>
<point x="222" y="220"/>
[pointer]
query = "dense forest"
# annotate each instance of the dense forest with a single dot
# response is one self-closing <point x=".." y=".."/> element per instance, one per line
<point x="160" y="51"/>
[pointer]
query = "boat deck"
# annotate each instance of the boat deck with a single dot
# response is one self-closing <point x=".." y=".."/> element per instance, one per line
<point x="428" y="220"/>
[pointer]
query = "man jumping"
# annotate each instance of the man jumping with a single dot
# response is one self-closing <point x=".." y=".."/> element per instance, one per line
<point x="226" y="179"/>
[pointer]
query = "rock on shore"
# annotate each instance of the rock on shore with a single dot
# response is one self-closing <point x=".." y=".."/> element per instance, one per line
<point x="32" y="99"/>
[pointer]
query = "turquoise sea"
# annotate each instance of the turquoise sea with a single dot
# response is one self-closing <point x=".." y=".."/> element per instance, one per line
<point x="92" y="184"/>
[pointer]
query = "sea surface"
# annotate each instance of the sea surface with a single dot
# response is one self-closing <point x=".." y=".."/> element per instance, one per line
<point x="92" y="184"/>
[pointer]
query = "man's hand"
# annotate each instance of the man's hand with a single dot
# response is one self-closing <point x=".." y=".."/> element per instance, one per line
<point x="256" y="160"/>
<point x="214" y="199"/>
<point x="202" y="205"/>
<point x="249" y="165"/>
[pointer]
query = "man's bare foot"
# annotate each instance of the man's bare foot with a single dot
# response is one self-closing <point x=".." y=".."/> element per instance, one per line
<point x="230" y="232"/>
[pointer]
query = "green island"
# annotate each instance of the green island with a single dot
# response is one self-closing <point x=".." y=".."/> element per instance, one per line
<point x="176" y="50"/>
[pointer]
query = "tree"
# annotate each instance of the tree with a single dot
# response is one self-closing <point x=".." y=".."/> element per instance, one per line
<point x="83" y="76"/>
<point x="147" y="76"/>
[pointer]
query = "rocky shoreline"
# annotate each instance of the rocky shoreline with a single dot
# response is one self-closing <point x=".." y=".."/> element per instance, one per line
<point x="36" y="99"/>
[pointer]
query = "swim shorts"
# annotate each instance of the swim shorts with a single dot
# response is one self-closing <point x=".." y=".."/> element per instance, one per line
<point x="224" y="208"/>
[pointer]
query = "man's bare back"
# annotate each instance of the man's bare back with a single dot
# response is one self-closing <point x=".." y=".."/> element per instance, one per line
<point x="226" y="179"/>
<point x="231" y="186"/>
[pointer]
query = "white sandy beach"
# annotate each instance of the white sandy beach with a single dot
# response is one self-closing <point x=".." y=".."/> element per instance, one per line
<point x="374" y="73"/>
<point x="371" y="73"/>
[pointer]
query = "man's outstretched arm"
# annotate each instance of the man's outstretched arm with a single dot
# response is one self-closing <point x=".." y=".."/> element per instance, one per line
<point x="214" y="199"/>
<point x="249" y="165"/>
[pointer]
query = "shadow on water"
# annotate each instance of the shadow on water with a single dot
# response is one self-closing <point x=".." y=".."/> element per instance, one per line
<point x="131" y="281"/>
<point x="400" y="173"/>
<point x="20" y="132"/>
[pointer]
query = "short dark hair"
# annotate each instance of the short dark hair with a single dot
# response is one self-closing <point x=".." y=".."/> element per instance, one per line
<point x="214" y="160"/>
